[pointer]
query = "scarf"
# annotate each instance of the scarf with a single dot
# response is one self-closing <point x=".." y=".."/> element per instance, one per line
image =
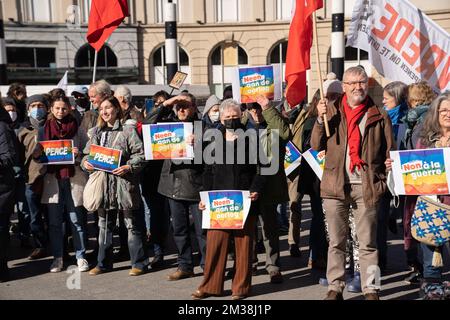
<point x="60" y="130"/>
<point x="415" y="114"/>
<point x="397" y="113"/>
<point x="353" y="133"/>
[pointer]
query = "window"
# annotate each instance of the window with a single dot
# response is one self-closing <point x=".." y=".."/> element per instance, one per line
<point x="39" y="10"/>
<point x="284" y="9"/>
<point x="159" y="71"/>
<point x="222" y="73"/>
<point x="351" y="59"/>
<point x="228" y="10"/>
<point x="85" y="57"/>
<point x="274" y="56"/>
<point x="23" y="57"/>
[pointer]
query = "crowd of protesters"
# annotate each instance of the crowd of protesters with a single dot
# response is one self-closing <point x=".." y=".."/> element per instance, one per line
<point x="148" y="200"/>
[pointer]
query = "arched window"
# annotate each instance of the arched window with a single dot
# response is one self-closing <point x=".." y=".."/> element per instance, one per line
<point x="85" y="57"/>
<point x="222" y="73"/>
<point x="159" y="71"/>
<point x="274" y="56"/>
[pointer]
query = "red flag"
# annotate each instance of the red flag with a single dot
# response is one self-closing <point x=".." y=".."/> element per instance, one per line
<point x="104" y="18"/>
<point x="298" y="51"/>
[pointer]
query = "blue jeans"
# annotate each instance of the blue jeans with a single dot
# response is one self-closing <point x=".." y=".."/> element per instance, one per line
<point x="36" y="221"/>
<point x="179" y="210"/>
<point x="56" y="219"/>
<point x="134" y="222"/>
<point x="430" y="272"/>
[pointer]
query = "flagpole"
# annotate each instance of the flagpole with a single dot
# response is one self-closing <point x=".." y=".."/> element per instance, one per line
<point x="325" y="120"/>
<point x="95" y="66"/>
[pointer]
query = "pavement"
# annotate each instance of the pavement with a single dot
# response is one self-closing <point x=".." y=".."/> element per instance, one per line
<point x="31" y="279"/>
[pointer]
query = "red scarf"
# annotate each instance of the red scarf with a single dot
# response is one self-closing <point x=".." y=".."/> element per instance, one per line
<point x="59" y="130"/>
<point x="353" y="132"/>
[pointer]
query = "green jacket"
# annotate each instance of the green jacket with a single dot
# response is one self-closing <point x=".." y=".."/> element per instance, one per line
<point x="121" y="192"/>
<point x="275" y="190"/>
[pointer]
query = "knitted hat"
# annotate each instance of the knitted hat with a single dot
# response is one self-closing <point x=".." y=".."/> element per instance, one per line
<point x="8" y="101"/>
<point x="37" y="98"/>
<point x="211" y="102"/>
<point x="332" y="84"/>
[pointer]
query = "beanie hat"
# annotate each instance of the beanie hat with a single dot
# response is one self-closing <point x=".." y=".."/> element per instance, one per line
<point x="37" y="98"/>
<point x="211" y="102"/>
<point x="332" y="84"/>
<point x="8" y="101"/>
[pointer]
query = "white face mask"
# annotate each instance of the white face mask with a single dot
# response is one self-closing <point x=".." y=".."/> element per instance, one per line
<point x="214" y="116"/>
<point x="13" y="115"/>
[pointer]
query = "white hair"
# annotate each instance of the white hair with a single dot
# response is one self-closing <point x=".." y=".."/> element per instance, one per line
<point x="229" y="104"/>
<point x="101" y="87"/>
<point x="123" y="91"/>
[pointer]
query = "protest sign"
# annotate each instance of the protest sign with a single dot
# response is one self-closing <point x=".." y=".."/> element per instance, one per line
<point x="316" y="160"/>
<point x="178" y="80"/>
<point x="104" y="159"/>
<point x="421" y="171"/>
<point x="292" y="158"/>
<point x="57" y="152"/>
<point x="402" y="42"/>
<point x="167" y="141"/>
<point x="250" y="82"/>
<point x="225" y="209"/>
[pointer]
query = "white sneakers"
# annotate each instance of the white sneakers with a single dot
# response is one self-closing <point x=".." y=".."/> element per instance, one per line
<point x="57" y="265"/>
<point x="83" y="265"/>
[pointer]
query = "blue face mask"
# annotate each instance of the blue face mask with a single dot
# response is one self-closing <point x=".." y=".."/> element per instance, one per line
<point x="38" y="113"/>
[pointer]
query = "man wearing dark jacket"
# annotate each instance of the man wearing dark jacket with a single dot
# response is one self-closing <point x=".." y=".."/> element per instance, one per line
<point x="7" y="162"/>
<point x="181" y="184"/>
<point x="354" y="176"/>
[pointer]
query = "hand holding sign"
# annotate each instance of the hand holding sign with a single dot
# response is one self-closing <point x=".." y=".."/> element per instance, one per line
<point x="388" y="164"/>
<point x="263" y="102"/>
<point x="254" y="196"/>
<point x="201" y="205"/>
<point x="38" y="151"/>
<point x="120" y="171"/>
<point x="89" y="167"/>
<point x="75" y="151"/>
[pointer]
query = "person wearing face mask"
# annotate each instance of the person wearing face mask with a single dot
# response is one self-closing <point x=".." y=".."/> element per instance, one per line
<point x="210" y="117"/>
<point x="181" y="184"/>
<point x="18" y="92"/>
<point x="34" y="171"/>
<point x="354" y="176"/>
<point x="63" y="186"/>
<point x="80" y="95"/>
<point x="21" y="207"/>
<point x="230" y="176"/>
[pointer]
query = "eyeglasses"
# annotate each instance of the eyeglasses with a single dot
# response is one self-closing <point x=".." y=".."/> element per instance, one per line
<point x="444" y="112"/>
<point x="354" y="83"/>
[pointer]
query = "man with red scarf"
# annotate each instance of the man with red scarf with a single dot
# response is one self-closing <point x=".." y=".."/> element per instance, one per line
<point x="354" y="177"/>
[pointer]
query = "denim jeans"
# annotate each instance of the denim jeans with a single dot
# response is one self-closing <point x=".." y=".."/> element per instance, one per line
<point x="179" y="210"/>
<point x="56" y="219"/>
<point x="430" y="272"/>
<point x="134" y="223"/>
<point x="36" y="220"/>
